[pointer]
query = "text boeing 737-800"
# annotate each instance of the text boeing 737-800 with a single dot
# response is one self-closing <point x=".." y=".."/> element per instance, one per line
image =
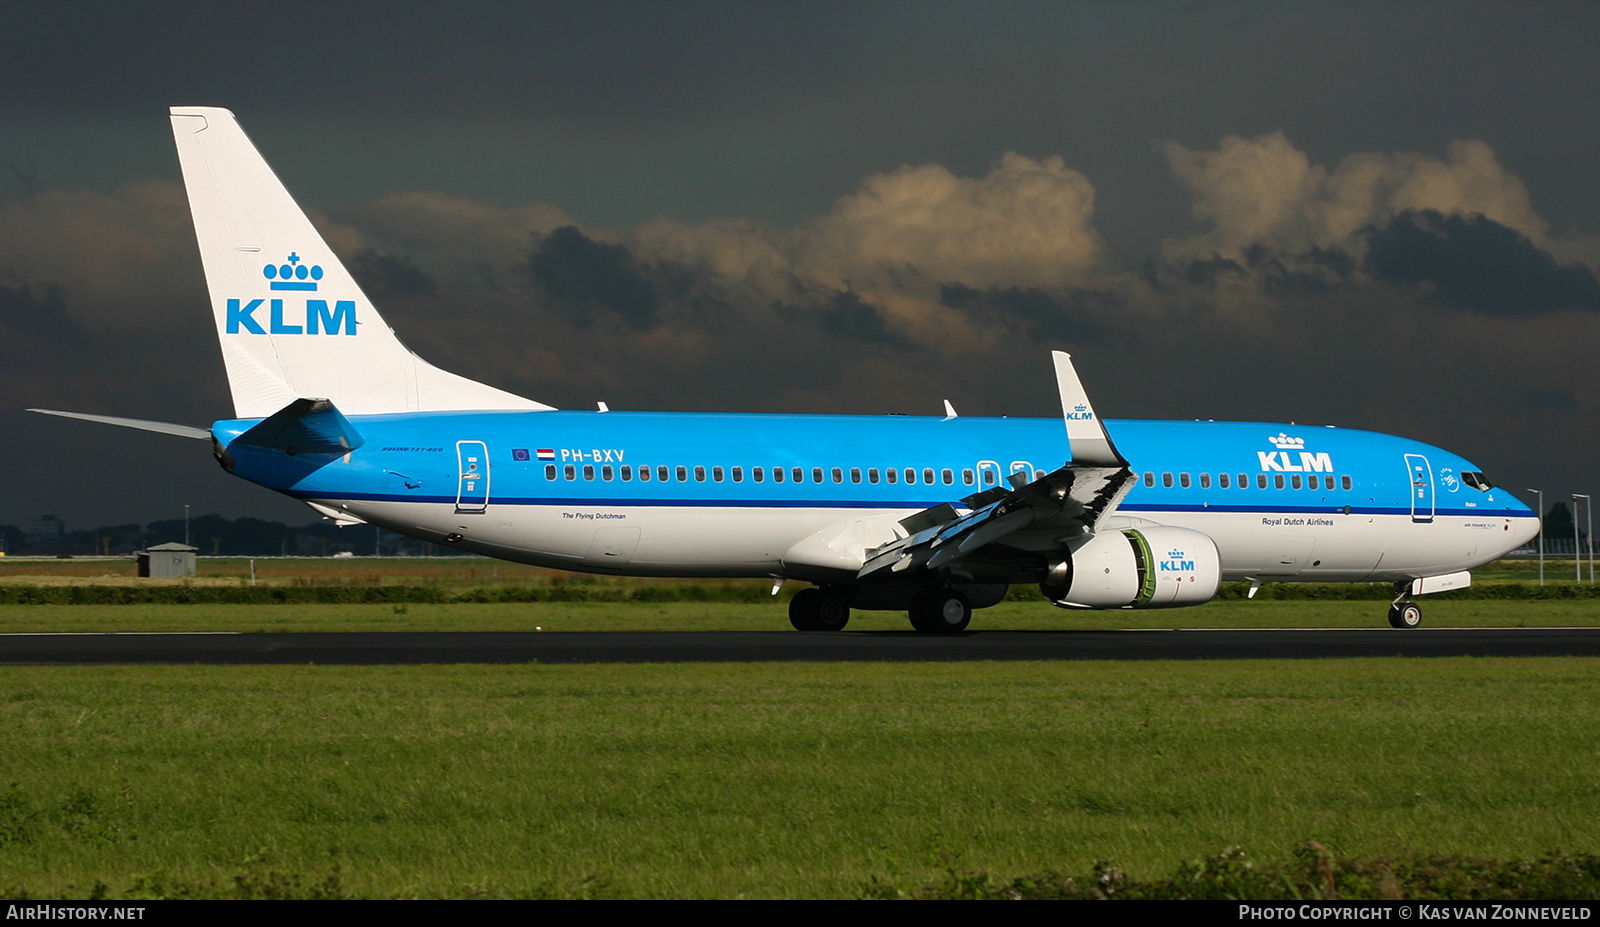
<point x="935" y="516"/>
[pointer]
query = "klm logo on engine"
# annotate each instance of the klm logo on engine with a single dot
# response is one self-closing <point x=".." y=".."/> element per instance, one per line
<point x="1080" y="413"/>
<point x="314" y="318"/>
<point x="1175" y="563"/>
<point x="1291" y="457"/>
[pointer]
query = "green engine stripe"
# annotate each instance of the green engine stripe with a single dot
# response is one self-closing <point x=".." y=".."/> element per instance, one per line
<point x="1146" y="565"/>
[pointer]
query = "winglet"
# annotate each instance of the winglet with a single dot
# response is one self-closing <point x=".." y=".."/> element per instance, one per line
<point x="1091" y="445"/>
<point x="949" y="411"/>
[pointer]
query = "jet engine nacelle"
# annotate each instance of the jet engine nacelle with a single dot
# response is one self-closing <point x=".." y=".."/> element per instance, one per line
<point x="1154" y="567"/>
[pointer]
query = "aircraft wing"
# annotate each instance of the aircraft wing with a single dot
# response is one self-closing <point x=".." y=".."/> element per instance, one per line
<point x="1066" y="502"/>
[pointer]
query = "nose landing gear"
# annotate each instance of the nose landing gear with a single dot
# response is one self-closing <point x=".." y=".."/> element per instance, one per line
<point x="1404" y="614"/>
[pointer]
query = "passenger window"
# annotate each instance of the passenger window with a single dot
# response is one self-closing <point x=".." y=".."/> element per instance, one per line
<point x="606" y="473"/>
<point x="588" y="471"/>
<point x="1222" y="481"/>
<point x="816" y="474"/>
<point x="1295" y="481"/>
<point x="738" y="474"/>
<point x="758" y="474"/>
<point x="872" y="474"/>
<point x="1149" y="478"/>
<point x="549" y="471"/>
<point x="948" y="476"/>
<point x="627" y="473"/>
<point x="716" y="474"/>
<point x="1244" y="481"/>
<point x="1205" y="481"/>
<point x="777" y="474"/>
<point x="1277" y="480"/>
<point x="1183" y="480"/>
<point x="570" y="472"/>
<point x="1261" y="480"/>
<point x="927" y="475"/>
<point x="855" y="474"/>
<point x="892" y="475"/>
<point x="661" y="472"/>
<point x="1345" y="481"/>
<point x="1166" y="480"/>
<point x="798" y="475"/>
<point x="966" y="476"/>
<point x="699" y="474"/>
<point x="838" y="475"/>
<point x="683" y="474"/>
<point x="644" y="473"/>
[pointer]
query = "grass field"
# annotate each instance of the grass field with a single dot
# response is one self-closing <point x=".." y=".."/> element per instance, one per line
<point x="765" y="780"/>
<point x="771" y="780"/>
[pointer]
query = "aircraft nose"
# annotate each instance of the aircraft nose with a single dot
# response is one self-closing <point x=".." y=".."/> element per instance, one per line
<point x="1523" y="530"/>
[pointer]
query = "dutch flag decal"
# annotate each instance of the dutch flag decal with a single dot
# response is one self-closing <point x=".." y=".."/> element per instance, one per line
<point x="546" y="453"/>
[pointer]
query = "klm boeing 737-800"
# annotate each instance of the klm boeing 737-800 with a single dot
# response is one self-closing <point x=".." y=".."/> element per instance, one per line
<point x="936" y="516"/>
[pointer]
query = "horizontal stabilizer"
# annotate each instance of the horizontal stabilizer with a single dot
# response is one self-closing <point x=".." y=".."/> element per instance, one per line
<point x="305" y="426"/>
<point x="165" y="428"/>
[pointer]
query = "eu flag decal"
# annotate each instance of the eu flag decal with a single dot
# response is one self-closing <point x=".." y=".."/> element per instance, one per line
<point x="519" y="453"/>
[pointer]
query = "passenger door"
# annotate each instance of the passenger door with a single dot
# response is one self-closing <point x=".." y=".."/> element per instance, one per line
<point x="472" y="489"/>
<point x="1420" y="474"/>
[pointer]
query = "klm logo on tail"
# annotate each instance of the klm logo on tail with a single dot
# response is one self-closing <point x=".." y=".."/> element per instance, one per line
<point x="1080" y="413"/>
<point x="318" y="317"/>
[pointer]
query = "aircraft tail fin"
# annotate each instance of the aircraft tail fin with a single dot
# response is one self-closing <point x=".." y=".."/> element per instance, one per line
<point x="292" y="321"/>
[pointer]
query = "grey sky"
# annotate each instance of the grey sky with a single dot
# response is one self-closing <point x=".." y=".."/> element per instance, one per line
<point x="619" y="114"/>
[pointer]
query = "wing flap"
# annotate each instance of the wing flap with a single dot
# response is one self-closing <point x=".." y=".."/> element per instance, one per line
<point x="1070" y="500"/>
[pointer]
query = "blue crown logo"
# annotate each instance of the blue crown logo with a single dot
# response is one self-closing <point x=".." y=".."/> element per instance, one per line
<point x="1079" y="407"/>
<point x="292" y="275"/>
<point x="1175" y="554"/>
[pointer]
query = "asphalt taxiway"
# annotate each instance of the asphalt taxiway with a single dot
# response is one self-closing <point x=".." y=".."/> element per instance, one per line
<point x="786" y="646"/>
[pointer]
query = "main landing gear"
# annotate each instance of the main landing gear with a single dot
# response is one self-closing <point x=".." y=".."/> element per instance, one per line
<point x="940" y="611"/>
<point x="933" y="610"/>
<point x="821" y="609"/>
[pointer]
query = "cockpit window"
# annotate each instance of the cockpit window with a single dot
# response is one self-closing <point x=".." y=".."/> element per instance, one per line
<point x="1477" y="481"/>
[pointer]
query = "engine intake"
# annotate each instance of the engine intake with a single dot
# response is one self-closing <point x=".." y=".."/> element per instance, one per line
<point x="1159" y="567"/>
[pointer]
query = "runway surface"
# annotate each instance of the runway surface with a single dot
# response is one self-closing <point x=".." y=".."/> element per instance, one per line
<point x="787" y="646"/>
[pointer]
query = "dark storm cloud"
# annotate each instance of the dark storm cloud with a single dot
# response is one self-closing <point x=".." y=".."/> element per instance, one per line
<point x="1473" y="262"/>
<point x="845" y="316"/>
<point x="30" y="320"/>
<point x="1071" y="316"/>
<point x="584" y="278"/>
<point x="383" y="275"/>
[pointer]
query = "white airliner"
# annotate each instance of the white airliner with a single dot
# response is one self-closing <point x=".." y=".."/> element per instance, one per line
<point x="935" y="516"/>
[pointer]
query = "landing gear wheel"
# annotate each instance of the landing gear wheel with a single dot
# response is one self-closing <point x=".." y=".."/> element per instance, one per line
<point x="940" y="611"/>
<point x="1405" y="615"/>
<point x="818" y="610"/>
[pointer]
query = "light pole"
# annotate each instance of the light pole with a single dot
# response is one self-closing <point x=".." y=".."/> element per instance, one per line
<point x="185" y="525"/>
<point x="1541" y="533"/>
<point x="1589" y="516"/>
<point x="1577" y="554"/>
